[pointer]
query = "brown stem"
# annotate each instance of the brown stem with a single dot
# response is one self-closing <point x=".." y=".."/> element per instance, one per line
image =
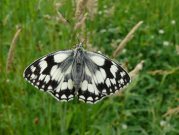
<point x="126" y="39"/>
<point x="136" y="70"/>
<point x="12" y="49"/>
<point x="79" y="24"/>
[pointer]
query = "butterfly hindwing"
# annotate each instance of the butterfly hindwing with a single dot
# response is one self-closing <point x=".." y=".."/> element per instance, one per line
<point x="104" y="77"/>
<point x="88" y="91"/>
<point x="51" y="73"/>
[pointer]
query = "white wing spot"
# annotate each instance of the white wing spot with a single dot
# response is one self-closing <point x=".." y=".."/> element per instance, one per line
<point x="82" y="97"/>
<point x="41" y="77"/>
<point x="98" y="60"/>
<point x="33" y="76"/>
<point x="58" y="88"/>
<point x="122" y="74"/>
<point x="70" y="84"/>
<point x="103" y="73"/>
<point x="84" y="85"/>
<point x="57" y="95"/>
<point x="49" y="87"/>
<point x="32" y="68"/>
<point x="104" y="91"/>
<point x="70" y="96"/>
<point x="95" y="90"/>
<point x="68" y="70"/>
<point x="64" y="86"/>
<point x="90" y="99"/>
<point x="90" y="88"/>
<point x="59" y="57"/>
<point x="63" y="96"/>
<point x="110" y="90"/>
<point x="113" y="70"/>
<point x="87" y="71"/>
<point x="121" y="81"/>
<point x="43" y="65"/>
<point x="99" y="77"/>
<point x="53" y="70"/>
<point x="108" y="82"/>
<point x="47" y="79"/>
<point x="113" y="81"/>
<point x="56" y="73"/>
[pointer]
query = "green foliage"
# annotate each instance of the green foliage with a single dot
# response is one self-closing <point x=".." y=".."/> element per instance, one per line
<point x="139" y="109"/>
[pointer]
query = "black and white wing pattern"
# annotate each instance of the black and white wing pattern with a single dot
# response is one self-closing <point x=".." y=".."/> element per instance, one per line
<point x="102" y="77"/>
<point x="87" y="75"/>
<point x="52" y="73"/>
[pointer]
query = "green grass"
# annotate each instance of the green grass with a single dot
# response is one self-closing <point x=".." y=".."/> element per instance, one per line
<point x="138" y="110"/>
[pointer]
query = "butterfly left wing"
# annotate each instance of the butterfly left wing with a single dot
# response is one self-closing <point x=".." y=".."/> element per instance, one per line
<point x="102" y="77"/>
<point x="52" y="73"/>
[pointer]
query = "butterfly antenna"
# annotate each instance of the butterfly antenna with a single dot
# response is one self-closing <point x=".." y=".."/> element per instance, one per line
<point x="80" y="43"/>
<point x="78" y="39"/>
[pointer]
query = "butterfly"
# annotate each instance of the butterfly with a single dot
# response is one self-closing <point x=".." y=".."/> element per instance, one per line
<point x="89" y="76"/>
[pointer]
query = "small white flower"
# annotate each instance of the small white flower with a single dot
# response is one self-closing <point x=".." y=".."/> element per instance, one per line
<point x="7" y="81"/>
<point x="100" y="52"/>
<point x="103" y="31"/>
<point x="166" y="43"/>
<point x="173" y="22"/>
<point x="105" y="6"/>
<point x="124" y="126"/>
<point x="161" y="31"/>
<point x="152" y="36"/>
<point x="124" y="51"/>
<point x="100" y="12"/>
<point x="163" y="123"/>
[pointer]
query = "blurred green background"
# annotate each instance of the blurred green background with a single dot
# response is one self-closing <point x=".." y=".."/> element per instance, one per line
<point x="149" y="106"/>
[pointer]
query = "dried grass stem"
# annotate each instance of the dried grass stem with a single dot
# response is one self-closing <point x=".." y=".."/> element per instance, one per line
<point x="81" y="23"/>
<point x="80" y="7"/>
<point x="11" y="50"/>
<point x="136" y="70"/>
<point x="126" y="39"/>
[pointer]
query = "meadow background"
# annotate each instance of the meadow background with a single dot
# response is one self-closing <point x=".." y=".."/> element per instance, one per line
<point x="149" y="106"/>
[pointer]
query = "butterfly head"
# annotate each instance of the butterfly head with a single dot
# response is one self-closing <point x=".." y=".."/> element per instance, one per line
<point x="78" y="51"/>
<point x="79" y="47"/>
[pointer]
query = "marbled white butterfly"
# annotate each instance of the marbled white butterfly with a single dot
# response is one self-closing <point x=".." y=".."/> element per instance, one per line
<point x="87" y="75"/>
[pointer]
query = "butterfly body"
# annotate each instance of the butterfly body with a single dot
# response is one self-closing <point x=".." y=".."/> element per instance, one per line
<point x="87" y="75"/>
<point x="77" y="67"/>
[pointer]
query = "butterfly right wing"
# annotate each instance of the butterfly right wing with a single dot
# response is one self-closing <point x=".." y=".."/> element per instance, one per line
<point x="52" y="73"/>
<point x="103" y="77"/>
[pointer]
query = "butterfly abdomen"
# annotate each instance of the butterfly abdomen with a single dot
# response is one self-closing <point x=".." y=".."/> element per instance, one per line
<point x="77" y="68"/>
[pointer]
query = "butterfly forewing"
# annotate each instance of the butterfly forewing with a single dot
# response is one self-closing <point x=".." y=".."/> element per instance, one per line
<point x="51" y="73"/>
